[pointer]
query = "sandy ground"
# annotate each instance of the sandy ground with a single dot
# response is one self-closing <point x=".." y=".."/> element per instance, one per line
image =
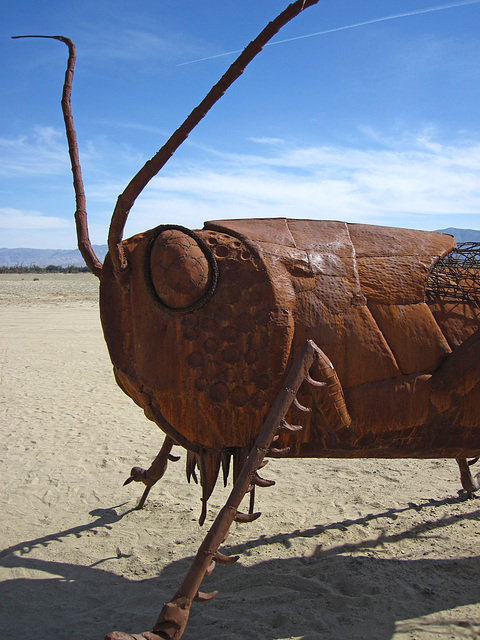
<point x="343" y="550"/>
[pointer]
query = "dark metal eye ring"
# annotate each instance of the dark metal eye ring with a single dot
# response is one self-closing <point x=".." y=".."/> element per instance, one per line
<point x="186" y="302"/>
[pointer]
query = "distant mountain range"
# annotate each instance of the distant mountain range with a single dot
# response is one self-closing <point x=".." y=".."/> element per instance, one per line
<point x="462" y="235"/>
<point x="67" y="258"/>
<point x="46" y="257"/>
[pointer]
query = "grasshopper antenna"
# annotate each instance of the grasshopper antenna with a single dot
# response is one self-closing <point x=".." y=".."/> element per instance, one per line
<point x="84" y="244"/>
<point x="150" y="169"/>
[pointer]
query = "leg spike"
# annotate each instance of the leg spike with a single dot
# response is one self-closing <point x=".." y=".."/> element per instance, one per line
<point x="205" y="597"/>
<point x="191" y="466"/>
<point x="137" y="474"/>
<point x="203" y="513"/>
<point x="290" y="428"/>
<point x="209" y="468"/>
<point x="246" y="517"/>
<point x="314" y="383"/>
<point x="300" y="406"/>
<point x="278" y="453"/>
<point x="221" y="558"/>
<point x="226" y="457"/>
<point x="261" y="482"/>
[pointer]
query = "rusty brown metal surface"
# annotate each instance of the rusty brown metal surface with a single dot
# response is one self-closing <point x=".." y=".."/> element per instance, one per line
<point x="395" y="372"/>
<point x="222" y="359"/>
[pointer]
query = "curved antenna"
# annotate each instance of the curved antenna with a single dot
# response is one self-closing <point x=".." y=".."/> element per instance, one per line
<point x="84" y="244"/>
<point x="152" y="167"/>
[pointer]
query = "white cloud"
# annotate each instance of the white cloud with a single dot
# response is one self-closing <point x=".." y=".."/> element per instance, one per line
<point x="268" y="141"/>
<point x="18" y="219"/>
<point x="426" y="179"/>
<point x="416" y="181"/>
<point x="42" y="152"/>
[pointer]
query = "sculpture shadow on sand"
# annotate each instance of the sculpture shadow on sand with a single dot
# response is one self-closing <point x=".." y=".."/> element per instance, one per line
<point x="339" y="587"/>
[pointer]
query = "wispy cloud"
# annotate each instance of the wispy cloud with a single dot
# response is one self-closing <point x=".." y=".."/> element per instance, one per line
<point x="128" y="44"/>
<point x="268" y="141"/>
<point x="384" y="186"/>
<point x="138" y="43"/>
<point x="43" y="151"/>
<point x="18" y="219"/>
<point x="413" y="180"/>
<point x="39" y="153"/>
<point x="395" y="16"/>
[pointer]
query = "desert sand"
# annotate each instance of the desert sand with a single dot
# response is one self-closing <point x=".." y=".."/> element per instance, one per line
<point x="349" y="549"/>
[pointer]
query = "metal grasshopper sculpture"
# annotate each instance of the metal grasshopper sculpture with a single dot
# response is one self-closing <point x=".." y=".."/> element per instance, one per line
<point x="203" y="327"/>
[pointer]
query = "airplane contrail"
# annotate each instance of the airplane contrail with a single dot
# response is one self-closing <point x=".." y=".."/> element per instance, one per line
<point x="442" y="7"/>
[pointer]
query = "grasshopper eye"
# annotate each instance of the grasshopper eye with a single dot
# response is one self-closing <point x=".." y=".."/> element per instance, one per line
<point x="181" y="268"/>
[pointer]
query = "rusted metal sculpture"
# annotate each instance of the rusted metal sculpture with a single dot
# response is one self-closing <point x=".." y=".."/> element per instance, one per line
<point x="214" y="332"/>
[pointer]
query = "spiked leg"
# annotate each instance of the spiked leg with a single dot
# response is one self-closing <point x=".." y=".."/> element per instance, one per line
<point x="152" y="475"/>
<point x="174" y="615"/>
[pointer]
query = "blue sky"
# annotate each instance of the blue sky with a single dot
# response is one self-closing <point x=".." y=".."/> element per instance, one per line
<point x="367" y="112"/>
